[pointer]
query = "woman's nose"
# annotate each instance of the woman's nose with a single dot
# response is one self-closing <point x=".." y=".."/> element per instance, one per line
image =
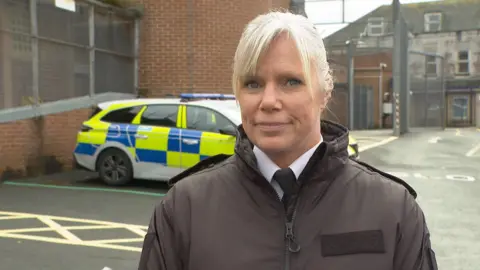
<point x="269" y="97"/>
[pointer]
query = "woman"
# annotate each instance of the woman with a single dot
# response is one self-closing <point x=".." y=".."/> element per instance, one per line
<point x="289" y="198"/>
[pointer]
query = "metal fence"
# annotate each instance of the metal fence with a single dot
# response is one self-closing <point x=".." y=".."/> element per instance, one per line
<point x="427" y="90"/>
<point x="368" y="70"/>
<point x="363" y="100"/>
<point x="48" y="53"/>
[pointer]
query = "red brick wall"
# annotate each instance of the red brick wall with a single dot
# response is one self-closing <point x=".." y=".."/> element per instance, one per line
<point x="174" y="57"/>
<point x="170" y="65"/>
<point x="26" y="145"/>
<point x="339" y="104"/>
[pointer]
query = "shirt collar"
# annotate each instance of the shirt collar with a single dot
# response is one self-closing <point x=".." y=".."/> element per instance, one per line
<point x="268" y="168"/>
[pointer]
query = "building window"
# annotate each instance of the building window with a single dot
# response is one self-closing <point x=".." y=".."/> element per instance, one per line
<point x="460" y="108"/>
<point x="431" y="65"/>
<point x="431" y="69"/>
<point x="375" y="26"/>
<point x="463" y="62"/>
<point x="433" y="22"/>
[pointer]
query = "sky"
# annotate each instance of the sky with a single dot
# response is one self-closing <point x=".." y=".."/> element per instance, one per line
<point x="327" y="14"/>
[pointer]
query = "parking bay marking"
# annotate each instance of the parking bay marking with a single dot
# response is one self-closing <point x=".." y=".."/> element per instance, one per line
<point x="473" y="150"/>
<point x="375" y="144"/>
<point x="53" y="224"/>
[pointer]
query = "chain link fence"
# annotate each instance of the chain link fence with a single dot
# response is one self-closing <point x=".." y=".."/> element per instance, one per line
<point x="48" y="53"/>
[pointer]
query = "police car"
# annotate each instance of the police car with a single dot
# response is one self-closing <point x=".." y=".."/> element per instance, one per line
<point x="155" y="139"/>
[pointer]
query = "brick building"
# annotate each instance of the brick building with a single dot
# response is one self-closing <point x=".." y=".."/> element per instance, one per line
<point x="443" y="58"/>
<point x="371" y="68"/>
<point x="185" y="46"/>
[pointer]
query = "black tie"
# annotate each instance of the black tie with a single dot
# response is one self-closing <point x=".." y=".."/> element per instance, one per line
<point x="288" y="182"/>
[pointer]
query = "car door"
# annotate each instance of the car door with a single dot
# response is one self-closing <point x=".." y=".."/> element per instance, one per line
<point x="202" y="136"/>
<point x="158" y="142"/>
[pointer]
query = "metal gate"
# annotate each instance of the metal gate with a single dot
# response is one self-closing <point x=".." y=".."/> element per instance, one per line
<point x="363" y="106"/>
<point x="427" y="90"/>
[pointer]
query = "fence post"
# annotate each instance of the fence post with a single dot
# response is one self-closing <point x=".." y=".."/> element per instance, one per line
<point x="136" y="48"/>
<point x="405" y="88"/>
<point x="443" y="109"/>
<point x="351" y="83"/>
<point x="397" y="84"/>
<point x="425" y="77"/>
<point x="34" y="44"/>
<point x="91" y="49"/>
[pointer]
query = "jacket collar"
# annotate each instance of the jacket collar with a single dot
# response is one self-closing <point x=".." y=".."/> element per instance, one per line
<point x="328" y="156"/>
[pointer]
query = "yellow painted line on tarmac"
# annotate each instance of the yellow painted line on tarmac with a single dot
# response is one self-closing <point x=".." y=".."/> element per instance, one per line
<point x="12" y="217"/>
<point x="377" y="144"/>
<point x="27" y="230"/>
<point x="69" y="219"/>
<point x="124" y="240"/>
<point x="59" y="229"/>
<point x="93" y="227"/>
<point x="138" y="231"/>
<point x="66" y="242"/>
<point x="66" y="234"/>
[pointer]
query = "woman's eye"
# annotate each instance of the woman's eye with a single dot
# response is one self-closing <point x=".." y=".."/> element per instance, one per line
<point x="293" y="82"/>
<point x="252" y="85"/>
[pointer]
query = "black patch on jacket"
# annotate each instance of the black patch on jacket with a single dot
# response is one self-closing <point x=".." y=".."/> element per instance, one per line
<point x="352" y="243"/>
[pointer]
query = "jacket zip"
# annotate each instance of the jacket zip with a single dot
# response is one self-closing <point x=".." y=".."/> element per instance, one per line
<point x="291" y="245"/>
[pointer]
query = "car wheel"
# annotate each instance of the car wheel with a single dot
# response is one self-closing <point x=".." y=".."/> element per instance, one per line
<point x="114" y="167"/>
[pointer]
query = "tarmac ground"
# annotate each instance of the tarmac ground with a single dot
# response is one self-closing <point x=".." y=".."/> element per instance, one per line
<point x="72" y="221"/>
<point x="444" y="168"/>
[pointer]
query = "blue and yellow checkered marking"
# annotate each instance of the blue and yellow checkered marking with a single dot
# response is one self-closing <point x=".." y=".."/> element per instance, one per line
<point x="210" y="144"/>
<point x="162" y="146"/>
<point x="86" y="149"/>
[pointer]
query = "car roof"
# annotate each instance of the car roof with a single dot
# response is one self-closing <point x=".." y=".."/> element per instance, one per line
<point x="213" y="104"/>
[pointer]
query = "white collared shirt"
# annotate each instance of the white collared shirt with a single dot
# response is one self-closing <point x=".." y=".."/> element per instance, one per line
<point x="268" y="168"/>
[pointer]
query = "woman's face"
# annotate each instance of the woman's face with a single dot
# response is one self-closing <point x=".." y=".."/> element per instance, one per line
<point x="279" y="112"/>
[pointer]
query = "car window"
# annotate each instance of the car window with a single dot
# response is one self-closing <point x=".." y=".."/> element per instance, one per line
<point x="124" y="116"/>
<point x="160" y="115"/>
<point x="204" y="119"/>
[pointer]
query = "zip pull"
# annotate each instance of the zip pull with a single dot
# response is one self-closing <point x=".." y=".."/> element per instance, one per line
<point x="292" y="244"/>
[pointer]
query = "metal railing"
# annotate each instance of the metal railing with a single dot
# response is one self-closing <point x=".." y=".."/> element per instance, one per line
<point x="50" y="55"/>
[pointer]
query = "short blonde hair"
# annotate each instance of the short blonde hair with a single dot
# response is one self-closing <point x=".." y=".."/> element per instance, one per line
<point x="261" y="31"/>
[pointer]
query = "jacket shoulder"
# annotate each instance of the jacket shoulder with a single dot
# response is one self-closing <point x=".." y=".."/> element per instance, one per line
<point x="206" y="168"/>
<point x="366" y="169"/>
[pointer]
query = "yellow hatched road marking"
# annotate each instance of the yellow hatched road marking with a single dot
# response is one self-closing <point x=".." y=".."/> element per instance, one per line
<point x="125" y="240"/>
<point x="66" y="234"/>
<point x="58" y="228"/>
<point x="12" y="217"/>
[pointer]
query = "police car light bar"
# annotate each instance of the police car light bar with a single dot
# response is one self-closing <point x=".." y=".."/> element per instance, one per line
<point x="206" y="96"/>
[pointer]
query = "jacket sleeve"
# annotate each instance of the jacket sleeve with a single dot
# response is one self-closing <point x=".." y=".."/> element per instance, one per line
<point x="414" y="250"/>
<point x="161" y="248"/>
